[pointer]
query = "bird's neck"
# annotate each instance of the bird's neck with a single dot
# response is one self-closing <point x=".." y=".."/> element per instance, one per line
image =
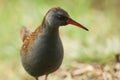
<point x="50" y="30"/>
<point x="46" y="30"/>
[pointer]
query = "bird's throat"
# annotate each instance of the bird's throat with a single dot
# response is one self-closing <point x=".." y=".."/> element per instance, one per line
<point x="50" y="30"/>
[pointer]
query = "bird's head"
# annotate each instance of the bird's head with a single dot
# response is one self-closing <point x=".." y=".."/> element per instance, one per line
<point x="59" y="17"/>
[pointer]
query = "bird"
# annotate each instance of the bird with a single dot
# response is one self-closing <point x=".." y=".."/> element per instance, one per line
<point x="42" y="50"/>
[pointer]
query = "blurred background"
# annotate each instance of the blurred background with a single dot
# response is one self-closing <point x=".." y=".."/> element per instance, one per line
<point x="98" y="45"/>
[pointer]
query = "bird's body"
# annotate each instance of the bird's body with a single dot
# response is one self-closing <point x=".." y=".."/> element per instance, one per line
<point x="42" y="50"/>
<point x="49" y="47"/>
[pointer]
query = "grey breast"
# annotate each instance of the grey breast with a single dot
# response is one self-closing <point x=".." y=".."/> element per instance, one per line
<point x="45" y="56"/>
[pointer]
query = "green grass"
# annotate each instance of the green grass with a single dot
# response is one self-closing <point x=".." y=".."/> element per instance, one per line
<point x="98" y="45"/>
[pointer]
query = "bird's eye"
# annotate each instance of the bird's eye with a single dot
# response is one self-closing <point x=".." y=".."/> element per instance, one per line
<point x="60" y="17"/>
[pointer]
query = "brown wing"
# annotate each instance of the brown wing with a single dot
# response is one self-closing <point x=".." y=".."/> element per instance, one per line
<point x="28" y="38"/>
<point x="24" y="33"/>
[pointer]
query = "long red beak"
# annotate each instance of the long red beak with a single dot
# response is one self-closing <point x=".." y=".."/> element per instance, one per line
<point x="70" y="21"/>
